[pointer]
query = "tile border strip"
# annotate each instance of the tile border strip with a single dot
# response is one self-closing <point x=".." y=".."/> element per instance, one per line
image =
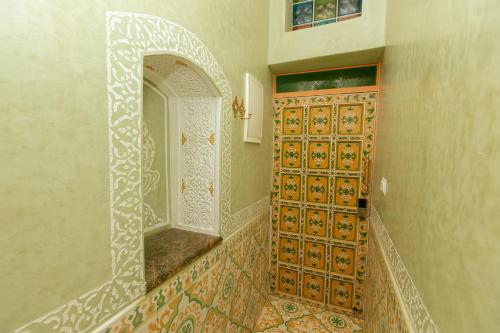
<point x="245" y="215"/>
<point x="414" y="308"/>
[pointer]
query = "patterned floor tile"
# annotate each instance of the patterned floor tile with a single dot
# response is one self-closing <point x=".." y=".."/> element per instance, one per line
<point x="281" y="315"/>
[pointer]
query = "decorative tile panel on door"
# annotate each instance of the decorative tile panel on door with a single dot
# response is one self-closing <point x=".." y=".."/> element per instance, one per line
<point x="323" y="146"/>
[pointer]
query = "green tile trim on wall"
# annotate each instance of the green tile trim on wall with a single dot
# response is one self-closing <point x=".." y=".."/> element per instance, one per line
<point x="330" y="79"/>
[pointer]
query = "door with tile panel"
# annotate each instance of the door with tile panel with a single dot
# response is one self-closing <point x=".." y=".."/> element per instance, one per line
<point x="323" y="146"/>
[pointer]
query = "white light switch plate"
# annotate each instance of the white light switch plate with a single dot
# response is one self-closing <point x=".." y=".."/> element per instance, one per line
<point x="383" y="185"/>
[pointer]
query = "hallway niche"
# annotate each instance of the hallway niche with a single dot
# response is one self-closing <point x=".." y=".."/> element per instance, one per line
<point x="180" y="136"/>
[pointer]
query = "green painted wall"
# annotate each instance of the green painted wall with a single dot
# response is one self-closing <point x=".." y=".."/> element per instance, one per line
<point x="438" y="146"/>
<point x="153" y="112"/>
<point x="54" y="183"/>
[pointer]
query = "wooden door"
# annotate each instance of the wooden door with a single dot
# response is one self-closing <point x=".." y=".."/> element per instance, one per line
<point x="323" y="147"/>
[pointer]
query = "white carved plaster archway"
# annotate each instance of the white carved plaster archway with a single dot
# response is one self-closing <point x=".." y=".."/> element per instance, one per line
<point x="130" y="36"/>
<point x="194" y="133"/>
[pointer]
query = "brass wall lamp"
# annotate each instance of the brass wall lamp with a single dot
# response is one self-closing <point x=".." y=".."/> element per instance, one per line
<point x="239" y="109"/>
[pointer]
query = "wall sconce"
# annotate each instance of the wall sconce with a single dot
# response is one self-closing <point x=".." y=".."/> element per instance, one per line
<point x="239" y="109"/>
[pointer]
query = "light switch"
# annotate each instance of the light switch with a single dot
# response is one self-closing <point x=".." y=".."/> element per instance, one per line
<point x="383" y="185"/>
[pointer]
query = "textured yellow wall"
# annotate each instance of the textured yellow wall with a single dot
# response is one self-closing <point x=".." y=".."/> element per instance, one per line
<point x="439" y="146"/>
<point x="55" y="230"/>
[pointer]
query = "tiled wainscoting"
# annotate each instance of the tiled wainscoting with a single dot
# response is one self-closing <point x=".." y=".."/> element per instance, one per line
<point x="383" y="311"/>
<point x="222" y="291"/>
<point x="393" y="303"/>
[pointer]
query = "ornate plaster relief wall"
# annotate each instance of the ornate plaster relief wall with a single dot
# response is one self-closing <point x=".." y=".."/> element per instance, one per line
<point x="154" y="159"/>
<point x="193" y="141"/>
<point x="150" y="179"/>
<point x="130" y="36"/>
